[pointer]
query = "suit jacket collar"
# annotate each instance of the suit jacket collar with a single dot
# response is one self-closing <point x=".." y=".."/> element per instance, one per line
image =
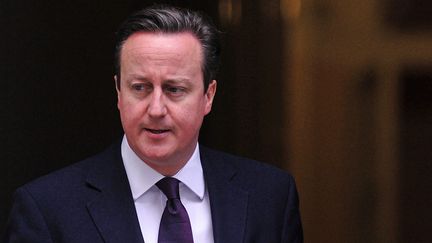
<point x="112" y="208"/>
<point x="228" y="201"/>
<point x="113" y="211"/>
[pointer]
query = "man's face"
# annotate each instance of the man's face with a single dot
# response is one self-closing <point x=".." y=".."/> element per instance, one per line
<point x="161" y="98"/>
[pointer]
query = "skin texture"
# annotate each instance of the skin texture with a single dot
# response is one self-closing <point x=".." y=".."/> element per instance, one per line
<point x="161" y="99"/>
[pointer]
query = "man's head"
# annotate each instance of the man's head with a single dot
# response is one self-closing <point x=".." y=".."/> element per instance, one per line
<point x="168" y="19"/>
<point x="162" y="97"/>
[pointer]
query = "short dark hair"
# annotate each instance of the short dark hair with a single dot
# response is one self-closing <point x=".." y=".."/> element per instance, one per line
<point x="170" y="19"/>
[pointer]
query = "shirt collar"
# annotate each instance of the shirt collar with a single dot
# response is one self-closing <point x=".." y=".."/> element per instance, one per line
<point x="142" y="177"/>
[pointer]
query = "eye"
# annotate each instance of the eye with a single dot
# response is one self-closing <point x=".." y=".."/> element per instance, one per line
<point x="175" y="90"/>
<point x="140" y="87"/>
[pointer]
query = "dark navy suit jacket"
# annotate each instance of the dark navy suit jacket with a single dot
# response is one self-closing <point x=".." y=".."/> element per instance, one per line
<point x="91" y="201"/>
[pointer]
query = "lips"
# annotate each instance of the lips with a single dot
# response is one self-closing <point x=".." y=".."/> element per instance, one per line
<point x="156" y="131"/>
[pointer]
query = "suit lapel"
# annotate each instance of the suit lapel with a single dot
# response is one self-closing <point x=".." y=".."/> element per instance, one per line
<point x="228" y="201"/>
<point x="112" y="209"/>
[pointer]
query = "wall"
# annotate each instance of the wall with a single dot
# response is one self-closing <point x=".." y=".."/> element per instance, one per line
<point x="345" y="118"/>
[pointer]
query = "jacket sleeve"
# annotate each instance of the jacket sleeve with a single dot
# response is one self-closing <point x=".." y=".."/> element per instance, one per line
<point x="292" y="230"/>
<point x="26" y="223"/>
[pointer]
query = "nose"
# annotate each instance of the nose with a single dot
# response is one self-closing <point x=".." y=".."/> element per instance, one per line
<point x="157" y="107"/>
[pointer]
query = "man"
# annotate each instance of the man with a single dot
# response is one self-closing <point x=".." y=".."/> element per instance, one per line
<point x="158" y="184"/>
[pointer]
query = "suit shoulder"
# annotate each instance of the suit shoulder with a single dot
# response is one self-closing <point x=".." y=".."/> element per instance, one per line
<point x="248" y="167"/>
<point x="65" y="179"/>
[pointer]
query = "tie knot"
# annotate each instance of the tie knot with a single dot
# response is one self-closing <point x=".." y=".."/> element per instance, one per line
<point x="170" y="187"/>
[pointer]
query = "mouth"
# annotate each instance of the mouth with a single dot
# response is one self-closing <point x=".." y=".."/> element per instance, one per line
<point x="156" y="131"/>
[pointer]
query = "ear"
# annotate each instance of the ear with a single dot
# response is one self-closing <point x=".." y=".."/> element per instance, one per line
<point x="117" y="84"/>
<point x="209" y="96"/>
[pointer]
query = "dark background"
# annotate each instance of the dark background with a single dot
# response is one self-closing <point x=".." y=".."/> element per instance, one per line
<point x="341" y="87"/>
<point x="58" y="103"/>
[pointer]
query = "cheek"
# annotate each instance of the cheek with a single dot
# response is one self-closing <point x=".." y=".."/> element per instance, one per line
<point x="129" y="112"/>
<point x="191" y="116"/>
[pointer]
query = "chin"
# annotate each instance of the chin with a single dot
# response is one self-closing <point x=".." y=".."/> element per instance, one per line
<point x="156" y="154"/>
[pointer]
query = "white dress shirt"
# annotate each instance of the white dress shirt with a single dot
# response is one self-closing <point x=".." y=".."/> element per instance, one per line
<point x="150" y="201"/>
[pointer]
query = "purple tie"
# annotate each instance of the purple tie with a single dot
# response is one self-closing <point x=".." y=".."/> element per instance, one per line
<point x="175" y="226"/>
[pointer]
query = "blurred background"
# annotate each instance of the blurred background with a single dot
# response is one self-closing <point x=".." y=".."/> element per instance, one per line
<point x="338" y="92"/>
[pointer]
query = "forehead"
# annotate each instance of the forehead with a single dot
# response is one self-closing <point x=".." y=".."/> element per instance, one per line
<point x="176" y="45"/>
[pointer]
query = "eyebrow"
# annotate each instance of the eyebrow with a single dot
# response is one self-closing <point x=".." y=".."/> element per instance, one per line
<point x="176" y="81"/>
<point x="171" y="81"/>
<point x="137" y="77"/>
